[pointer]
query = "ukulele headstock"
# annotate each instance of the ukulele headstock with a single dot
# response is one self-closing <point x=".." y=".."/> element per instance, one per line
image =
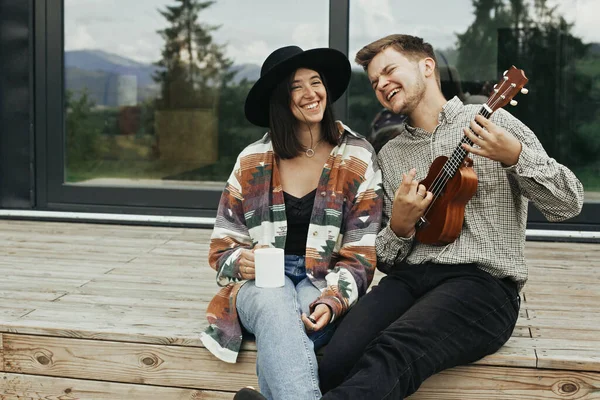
<point x="512" y="82"/>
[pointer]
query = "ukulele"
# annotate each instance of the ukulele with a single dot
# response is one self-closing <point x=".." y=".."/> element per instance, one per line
<point x="452" y="180"/>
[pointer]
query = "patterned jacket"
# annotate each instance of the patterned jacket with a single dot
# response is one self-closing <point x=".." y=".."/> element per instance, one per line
<point x="340" y="247"/>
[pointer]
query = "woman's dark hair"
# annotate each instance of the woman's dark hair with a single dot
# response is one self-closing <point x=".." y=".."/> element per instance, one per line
<point x="283" y="123"/>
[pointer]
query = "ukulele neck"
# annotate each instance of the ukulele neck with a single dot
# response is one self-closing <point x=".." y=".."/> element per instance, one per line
<point x="459" y="154"/>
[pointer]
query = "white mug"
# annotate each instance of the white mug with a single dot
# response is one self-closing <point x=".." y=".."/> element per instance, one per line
<point x="269" y="267"/>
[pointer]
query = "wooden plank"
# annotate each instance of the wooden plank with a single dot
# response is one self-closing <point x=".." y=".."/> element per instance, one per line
<point x="575" y="289"/>
<point x="509" y="356"/>
<point x="110" y="312"/>
<point x="481" y="382"/>
<point x="173" y="262"/>
<point x="570" y="300"/>
<point x="62" y="280"/>
<point x="31" y="387"/>
<point x="13" y="313"/>
<point x="46" y="271"/>
<point x="153" y="303"/>
<point x="57" y="248"/>
<point x="571" y="323"/>
<point x="563" y="307"/>
<point x="521" y="331"/>
<point x="107" y="331"/>
<point x="188" y="367"/>
<point x="573" y="314"/>
<point x="30" y="295"/>
<point x="561" y="333"/>
<point x="157" y="293"/>
<point x="99" y="229"/>
<point x="85" y="237"/>
<point x="568" y="358"/>
<point x="25" y="261"/>
<point x="46" y="254"/>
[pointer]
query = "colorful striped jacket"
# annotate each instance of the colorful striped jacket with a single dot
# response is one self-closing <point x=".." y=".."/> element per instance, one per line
<point x="340" y="248"/>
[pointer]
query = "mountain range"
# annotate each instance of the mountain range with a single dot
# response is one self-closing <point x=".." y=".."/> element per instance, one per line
<point x="113" y="80"/>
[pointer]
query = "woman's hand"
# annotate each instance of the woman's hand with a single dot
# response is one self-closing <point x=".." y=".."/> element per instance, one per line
<point x="319" y="318"/>
<point x="246" y="264"/>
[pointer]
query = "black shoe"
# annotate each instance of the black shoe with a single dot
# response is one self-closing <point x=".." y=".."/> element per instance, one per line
<point x="248" y="394"/>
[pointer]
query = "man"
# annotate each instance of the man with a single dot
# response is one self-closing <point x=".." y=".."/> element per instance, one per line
<point x="441" y="306"/>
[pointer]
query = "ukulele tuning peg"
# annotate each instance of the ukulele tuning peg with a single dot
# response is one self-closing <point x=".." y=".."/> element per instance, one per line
<point x="505" y="72"/>
<point x="524" y="91"/>
<point x="513" y="103"/>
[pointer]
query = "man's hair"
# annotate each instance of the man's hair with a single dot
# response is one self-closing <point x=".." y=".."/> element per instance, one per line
<point x="282" y="122"/>
<point x="412" y="47"/>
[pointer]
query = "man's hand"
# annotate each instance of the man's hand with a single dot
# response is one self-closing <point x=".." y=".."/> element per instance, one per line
<point x="410" y="202"/>
<point x="492" y="142"/>
<point x="318" y="319"/>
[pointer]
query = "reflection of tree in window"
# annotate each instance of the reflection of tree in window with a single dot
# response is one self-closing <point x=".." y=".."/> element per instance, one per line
<point x="562" y="105"/>
<point x="191" y="72"/>
<point x="192" y="65"/>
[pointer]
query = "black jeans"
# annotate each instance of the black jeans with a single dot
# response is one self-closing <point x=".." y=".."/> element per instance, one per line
<point x="418" y="321"/>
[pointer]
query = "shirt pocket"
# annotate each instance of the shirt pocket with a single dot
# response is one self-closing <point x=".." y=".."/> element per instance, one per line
<point x="489" y="176"/>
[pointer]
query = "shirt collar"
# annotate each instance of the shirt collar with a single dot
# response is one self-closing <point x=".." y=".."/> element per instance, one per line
<point x="449" y="111"/>
<point x="343" y="127"/>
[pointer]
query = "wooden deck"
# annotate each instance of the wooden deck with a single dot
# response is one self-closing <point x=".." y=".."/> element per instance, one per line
<point x="114" y="312"/>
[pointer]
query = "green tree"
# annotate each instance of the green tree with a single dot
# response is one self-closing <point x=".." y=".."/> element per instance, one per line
<point x="82" y="130"/>
<point x="477" y="46"/>
<point x="192" y="67"/>
<point x="561" y="105"/>
<point x="362" y="103"/>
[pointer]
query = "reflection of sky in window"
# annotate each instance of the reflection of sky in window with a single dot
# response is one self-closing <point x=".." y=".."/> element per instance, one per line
<point x="438" y="22"/>
<point x="252" y="29"/>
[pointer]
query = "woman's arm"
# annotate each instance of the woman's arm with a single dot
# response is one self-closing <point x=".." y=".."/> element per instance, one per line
<point x="230" y="235"/>
<point x="355" y="266"/>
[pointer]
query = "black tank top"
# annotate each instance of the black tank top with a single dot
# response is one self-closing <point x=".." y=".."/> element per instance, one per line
<point x="298" y="212"/>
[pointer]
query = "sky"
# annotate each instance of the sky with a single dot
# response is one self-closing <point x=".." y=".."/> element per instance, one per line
<point x="253" y="28"/>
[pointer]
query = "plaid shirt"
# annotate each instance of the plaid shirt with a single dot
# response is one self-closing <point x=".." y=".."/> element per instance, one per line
<point x="340" y="248"/>
<point x="493" y="233"/>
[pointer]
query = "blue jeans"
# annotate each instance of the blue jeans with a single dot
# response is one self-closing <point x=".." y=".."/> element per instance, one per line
<point x="286" y="364"/>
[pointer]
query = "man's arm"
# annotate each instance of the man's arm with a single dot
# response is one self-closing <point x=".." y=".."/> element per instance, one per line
<point x="551" y="186"/>
<point x="403" y="205"/>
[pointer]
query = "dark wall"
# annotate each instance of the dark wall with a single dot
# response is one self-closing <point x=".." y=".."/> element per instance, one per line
<point x="16" y="128"/>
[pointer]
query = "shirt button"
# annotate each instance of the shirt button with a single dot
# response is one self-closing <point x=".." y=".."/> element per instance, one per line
<point x="315" y="233"/>
<point x="323" y="194"/>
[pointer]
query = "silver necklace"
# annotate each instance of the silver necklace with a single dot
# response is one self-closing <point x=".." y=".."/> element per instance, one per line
<point x="310" y="152"/>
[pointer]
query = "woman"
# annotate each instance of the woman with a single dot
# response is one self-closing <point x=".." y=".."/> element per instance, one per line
<point x="310" y="186"/>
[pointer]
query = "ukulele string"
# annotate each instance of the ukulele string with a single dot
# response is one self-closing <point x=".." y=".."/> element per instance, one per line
<point x="441" y="179"/>
<point x="454" y="163"/>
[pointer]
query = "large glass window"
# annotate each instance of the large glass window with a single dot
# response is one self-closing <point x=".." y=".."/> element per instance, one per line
<point x="154" y="90"/>
<point x="557" y="43"/>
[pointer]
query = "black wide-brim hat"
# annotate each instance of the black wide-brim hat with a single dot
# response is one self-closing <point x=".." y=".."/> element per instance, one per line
<point x="332" y="64"/>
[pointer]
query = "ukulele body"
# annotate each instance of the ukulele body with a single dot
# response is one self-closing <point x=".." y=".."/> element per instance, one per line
<point x="445" y="217"/>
